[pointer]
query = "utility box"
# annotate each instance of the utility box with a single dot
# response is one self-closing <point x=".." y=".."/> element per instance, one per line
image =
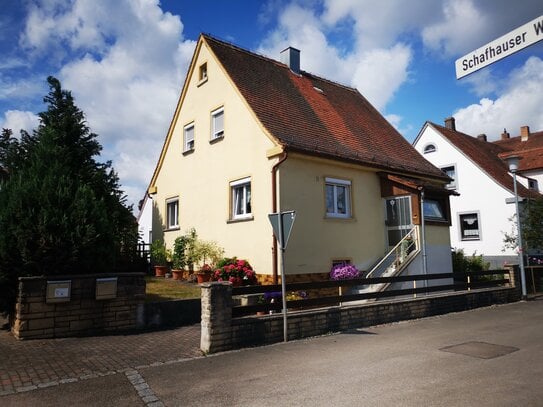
<point x="106" y="288"/>
<point x="58" y="291"/>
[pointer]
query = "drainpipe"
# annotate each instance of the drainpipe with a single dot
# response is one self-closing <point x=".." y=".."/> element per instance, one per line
<point x="423" y="234"/>
<point x="274" y="210"/>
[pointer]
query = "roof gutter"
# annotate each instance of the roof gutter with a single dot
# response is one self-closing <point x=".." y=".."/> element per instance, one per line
<point x="275" y="205"/>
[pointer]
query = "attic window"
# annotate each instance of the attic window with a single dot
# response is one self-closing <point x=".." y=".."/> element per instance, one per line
<point x="532" y="184"/>
<point x="430" y="148"/>
<point x="202" y="73"/>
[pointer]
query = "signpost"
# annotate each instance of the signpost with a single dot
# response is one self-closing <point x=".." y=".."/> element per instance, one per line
<point x="508" y="44"/>
<point x="282" y="225"/>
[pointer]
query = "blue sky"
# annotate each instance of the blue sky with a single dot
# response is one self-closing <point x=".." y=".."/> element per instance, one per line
<point x="125" y="61"/>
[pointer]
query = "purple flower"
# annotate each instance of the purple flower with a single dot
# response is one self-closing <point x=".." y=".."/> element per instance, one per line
<point x="344" y="272"/>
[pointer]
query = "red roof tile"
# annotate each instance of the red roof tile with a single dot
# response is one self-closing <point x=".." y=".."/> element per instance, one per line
<point x="312" y="115"/>
<point x="486" y="156"/>
<point x="530" y="151"/>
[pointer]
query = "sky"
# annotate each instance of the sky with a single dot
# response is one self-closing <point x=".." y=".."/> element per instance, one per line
<point x="125" y="62"/>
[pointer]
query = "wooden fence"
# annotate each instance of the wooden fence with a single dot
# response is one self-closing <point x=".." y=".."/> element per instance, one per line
<point x="256" y="295"/>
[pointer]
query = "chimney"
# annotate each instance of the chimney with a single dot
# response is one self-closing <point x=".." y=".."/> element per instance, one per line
<point x="505" y="135"/>
<point x="291" y="57"/>
<point x="481" y="137"/>
<point x="449" y="123"/>
<point x="524" y="133"/>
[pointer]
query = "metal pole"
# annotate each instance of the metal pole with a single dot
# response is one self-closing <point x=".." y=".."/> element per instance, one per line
<point x="423" y="236"/>
<point x="283" y="282"/>
<point x="519" y="234"/>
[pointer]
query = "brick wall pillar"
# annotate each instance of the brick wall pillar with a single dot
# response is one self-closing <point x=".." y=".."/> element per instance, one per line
<point x="216" y="316"/>
<point x="514" y="278"/>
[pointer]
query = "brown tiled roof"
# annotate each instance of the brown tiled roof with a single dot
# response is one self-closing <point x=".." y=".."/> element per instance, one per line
<point x="530" y="150"/>
<point x="315" y="116"/>
<point x="486" y="156"/>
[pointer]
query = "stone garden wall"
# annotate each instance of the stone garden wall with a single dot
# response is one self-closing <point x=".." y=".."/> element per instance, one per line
<point x="72" y="305"/>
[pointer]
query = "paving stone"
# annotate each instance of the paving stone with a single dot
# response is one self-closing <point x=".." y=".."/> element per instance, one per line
<point x="38" y="362"/>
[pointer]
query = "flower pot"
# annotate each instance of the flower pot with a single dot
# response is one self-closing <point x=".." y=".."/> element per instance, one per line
<point x="203" y="277"/>
<point x="160" y="271"/>
<point x="177" y="274"/>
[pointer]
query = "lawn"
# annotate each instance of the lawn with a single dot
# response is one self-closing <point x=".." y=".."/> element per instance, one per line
<point x="164" y="289"/>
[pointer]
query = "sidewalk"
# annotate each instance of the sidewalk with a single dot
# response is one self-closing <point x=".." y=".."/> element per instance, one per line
<point x="32" y="364"/>
<point x="485" y="357"/>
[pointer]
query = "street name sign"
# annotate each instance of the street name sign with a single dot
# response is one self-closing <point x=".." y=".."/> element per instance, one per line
<point x="508" y="44"/>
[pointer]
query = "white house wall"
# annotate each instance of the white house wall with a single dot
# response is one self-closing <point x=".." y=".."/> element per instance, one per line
<point x="478" y="193"/>
<point x="145" y="221"/>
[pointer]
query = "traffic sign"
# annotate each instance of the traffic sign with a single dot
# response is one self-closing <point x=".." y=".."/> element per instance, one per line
<point x="282" y="226"/>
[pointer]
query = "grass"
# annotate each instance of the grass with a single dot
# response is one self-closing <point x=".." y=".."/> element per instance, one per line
<point x="164" y="289"/>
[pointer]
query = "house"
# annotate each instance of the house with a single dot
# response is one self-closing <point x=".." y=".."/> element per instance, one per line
<point x="252" y="136"/>
<point x="482" y="211"/>
<point x="145" y="220"/>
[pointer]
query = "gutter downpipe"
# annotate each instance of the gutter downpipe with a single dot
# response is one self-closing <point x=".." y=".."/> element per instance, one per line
<point x="423" y="235"/>
<point x="275" y="167"/>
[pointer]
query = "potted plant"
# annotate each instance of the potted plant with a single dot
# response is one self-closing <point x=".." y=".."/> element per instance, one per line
<point x="238" y="272"/>
<point x="179" y="257"/>
<point x="159" y="258"/>
<point x="204" y="274"/>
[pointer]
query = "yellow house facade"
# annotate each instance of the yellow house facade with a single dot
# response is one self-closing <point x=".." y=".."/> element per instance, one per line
<point x="252" y="136"/>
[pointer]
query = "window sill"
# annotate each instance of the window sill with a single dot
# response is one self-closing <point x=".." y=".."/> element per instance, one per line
<point x="188" y="152"/>
<point x="201" y="82"/>
<point x="476" y="239"/>
<point x="216" y="139"/>
<point x="172" y="229"/>
<point x="435" y="222"/>
<point x="238" y="220"/>
<point x="340" y="218"/>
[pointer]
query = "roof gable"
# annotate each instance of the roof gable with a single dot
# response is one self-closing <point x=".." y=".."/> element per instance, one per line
<point x="312" y="115"/>
<point x="485" y="155"/>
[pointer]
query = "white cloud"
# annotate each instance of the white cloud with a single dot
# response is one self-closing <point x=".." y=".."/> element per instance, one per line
<point x="520" y="104"/>
<point x="18" y="120"/>
<point x="377" y="72"/>
<point x="462" y="25"/>
<point x="127" y="61"/>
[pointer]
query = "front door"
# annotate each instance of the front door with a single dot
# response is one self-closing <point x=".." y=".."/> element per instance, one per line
<point x="398" y="218"/>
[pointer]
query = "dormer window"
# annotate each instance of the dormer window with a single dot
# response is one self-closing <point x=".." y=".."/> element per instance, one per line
<point x="532" y="184"/>
<point x="202" y="72"/>
<point x="430" y="148"/>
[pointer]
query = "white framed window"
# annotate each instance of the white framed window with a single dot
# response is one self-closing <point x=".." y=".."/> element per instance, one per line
<point x="202" y="72"/>
<point x="532" y="184"/>
<point x="469" y="226"/>
<point x="217" y="123"/>
<point x="188" y="137"/>
<point x="430" y="148"/>
<point x="450" y="170"/>
<point x="172" y="213"/>
<point x="241" y="198"/>
<point x="338" y="198"/>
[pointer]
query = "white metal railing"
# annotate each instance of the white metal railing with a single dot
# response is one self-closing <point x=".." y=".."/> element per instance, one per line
<point x="399" y="256"/>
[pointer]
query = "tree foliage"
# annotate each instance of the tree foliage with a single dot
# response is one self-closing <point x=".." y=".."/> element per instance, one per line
<point x="531" y="217"/>
<point x="61" y="211"/>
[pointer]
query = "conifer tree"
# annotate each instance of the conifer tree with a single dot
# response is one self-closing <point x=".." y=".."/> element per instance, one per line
<point x="61" y="211"/>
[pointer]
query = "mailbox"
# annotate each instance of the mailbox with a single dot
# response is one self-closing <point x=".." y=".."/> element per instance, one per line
<point x="58" y="291"/>
<point x="106" y="288"/>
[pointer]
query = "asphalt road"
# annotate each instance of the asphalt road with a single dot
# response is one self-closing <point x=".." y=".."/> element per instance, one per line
<point x="499" y="362"/>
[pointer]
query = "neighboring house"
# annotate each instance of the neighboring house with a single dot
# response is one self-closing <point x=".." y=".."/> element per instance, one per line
<point x="480" y="214"/>
<point x="145" y="220"/>
<point x="252" y="136"/>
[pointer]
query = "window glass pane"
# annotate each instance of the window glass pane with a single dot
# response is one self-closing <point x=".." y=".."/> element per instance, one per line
<point x="451" y="173"/>
<point x="189" y="138"/>
<point x="469" y="226"/>
<point x="238" y="200"/>
<point x="218" y="124"/>
<point x="330" y="199"/>
<point x="433" y="210"/>
<point x="338" y="201"/>
<point x="172" y="209"/>
<point x="341" y="199"/>
<point x="247" y="198"/>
